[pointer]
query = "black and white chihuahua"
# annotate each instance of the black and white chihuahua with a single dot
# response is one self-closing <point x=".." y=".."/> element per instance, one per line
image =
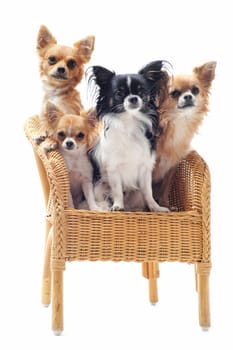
<point x="125" y="151"/>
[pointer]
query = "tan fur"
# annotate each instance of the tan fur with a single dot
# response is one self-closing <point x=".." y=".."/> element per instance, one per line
<point x="179" y="125"/>
<point x="61" y="90"/>
<point x="79" y="123"/>
<point x="73" y="135"/>
<point x="85" y="122"/>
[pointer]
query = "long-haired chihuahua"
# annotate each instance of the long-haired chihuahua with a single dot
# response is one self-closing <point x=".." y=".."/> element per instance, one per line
<point x="181" y="114"/>
<point x="73" y="135"/>
<point x="61" y="70"/>
<point x="125" y="152"/>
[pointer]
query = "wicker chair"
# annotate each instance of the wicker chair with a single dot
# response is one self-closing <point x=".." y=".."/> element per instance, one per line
<point x="145" y="237"/>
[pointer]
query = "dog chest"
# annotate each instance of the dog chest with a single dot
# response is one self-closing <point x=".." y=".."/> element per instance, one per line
<point x="78" y="165"/>
<point x="124" y="149"/>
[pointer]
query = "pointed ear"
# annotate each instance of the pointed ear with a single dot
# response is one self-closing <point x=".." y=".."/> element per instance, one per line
<point x="206" y="73"/>
<point x="157" y="73"/>
<point x="53" y="113"/>
<point x="100" y="75"/>
<point x="85" y="48"/>
<point x="94" y="126"/>
<point x="153" y="71"/>
<point x="44" y="39"/>
<point x="91" y="116"/>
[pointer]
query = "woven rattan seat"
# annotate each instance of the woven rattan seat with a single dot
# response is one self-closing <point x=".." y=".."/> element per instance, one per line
<point x="144" y="237"/>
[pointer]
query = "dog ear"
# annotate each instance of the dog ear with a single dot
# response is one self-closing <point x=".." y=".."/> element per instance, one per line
<point x="157" y="73"/>
<point x="53" y="113"/>
<point x="94" y="126"/>
<point x="206" y="73"/>
<point x="44" y="39"/>
<point x="85" y="48"/>
<point x="100" y="75"/>
<point x="91" y="116"/>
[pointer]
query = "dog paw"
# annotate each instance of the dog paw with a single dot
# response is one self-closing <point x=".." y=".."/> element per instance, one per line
<point x="96" y="207"/>
<point x="38" y="139"/>
<point x="103" y="206"/>
<point x="173" y="208"/>
<point x="116" y="208"/>
<point x="164" y="209"/>
<point x="50" y="145"/>
<point x="158" y="208"/>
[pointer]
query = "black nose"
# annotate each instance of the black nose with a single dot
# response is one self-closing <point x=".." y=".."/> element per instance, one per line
<point x="69" y="144"/>
<point x="133" y="100"/>
<point x="188" y="97"/>
<point x="61" y="70"/>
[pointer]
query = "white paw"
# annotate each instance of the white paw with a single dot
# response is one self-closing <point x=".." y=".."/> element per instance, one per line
<point x="116" y="208"/>
<point x="38" y="139"/>
<point x="163" y="209"/>
<point x="96" y="207"/>
<point x="49" y="145"/>
<point x="103" y="206"/>
<point x="156" y="207"/>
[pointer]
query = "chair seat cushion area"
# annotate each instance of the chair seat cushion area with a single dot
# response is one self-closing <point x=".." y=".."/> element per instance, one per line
<point x="127" y="236"/>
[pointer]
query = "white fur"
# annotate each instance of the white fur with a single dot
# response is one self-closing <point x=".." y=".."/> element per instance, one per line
<point x="125" y="157"/>
<point x="127" y="103"/>
<point x="80" y="174"/>
<point x="182" y="99"/>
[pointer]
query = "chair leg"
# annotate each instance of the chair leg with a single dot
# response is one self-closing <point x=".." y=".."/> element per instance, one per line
<point x="46" y="281"/>
<point x="150" y="270"/>
<point x="202" y="277"/>
<point x="57" y="302"/>
<point x="196" y="278"/>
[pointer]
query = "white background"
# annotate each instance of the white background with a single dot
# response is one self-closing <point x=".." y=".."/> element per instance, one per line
<point x="106" y="304"/>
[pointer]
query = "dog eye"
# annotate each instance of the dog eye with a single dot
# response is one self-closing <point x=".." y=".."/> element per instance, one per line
<point x="195" y="90"/>
<point x="61" y="135"/>
<point x="141" y="91"/>
<point x="175" y="93"/>
<point x="119" y="94"/>
<point x="71" y="64"/>
<point x="80" y="136"/>
<point x="52" y="60"/>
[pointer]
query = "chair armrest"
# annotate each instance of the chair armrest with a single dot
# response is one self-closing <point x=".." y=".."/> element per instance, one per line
<point x="52" y="170"/>
<point x="191" y="184"/>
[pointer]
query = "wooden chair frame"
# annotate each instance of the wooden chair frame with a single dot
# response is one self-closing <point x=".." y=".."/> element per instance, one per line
<point x="144" y="237"/>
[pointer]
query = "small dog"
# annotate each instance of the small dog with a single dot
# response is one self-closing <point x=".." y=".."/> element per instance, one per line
<point x="181" y="114"/>
<point x="61" y="69"/>
<point x="125" y="152"/>
<point x="73" y="135"/>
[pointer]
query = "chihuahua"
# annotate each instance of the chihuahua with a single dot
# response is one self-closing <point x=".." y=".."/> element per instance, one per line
<point x="181" y="114"/>
<point x="73" y="135"/>
<point x="125" y="152"/>
<point x="61" y="69"/>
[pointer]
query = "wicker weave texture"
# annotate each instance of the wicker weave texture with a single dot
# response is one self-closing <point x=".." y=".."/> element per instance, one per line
<point x="128" y="236"/>
<point x="133" y="236"/>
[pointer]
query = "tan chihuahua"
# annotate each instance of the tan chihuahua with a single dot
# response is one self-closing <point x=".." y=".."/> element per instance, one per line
<point x="181" y="114"/>
<point x="74" y="135"/>
<point x="61" y="69"/>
